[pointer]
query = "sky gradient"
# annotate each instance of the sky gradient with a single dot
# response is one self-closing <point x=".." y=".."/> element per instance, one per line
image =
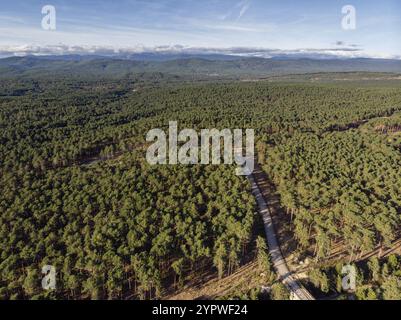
<point x="287" y="26"/>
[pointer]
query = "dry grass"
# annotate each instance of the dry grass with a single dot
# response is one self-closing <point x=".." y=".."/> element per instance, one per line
<point x="244" y="279"/>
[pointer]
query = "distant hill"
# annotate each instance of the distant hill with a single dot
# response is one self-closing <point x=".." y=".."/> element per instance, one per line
<point x="189" y="66"/>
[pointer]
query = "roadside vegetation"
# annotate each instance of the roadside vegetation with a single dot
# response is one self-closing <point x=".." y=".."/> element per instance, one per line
<point x="376" y="279"/>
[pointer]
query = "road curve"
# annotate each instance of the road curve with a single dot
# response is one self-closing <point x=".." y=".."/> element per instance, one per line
<point x="298" y="292"/>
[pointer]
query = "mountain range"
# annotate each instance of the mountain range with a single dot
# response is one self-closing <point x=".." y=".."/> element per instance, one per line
<point x="213" y="65"/>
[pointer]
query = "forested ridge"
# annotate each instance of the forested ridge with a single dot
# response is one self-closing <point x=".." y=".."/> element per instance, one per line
<point x="183" y="66"/>
<point x="78" y="194"/>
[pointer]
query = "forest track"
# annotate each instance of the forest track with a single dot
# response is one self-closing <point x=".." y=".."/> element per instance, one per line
<point x="298" y="292"/>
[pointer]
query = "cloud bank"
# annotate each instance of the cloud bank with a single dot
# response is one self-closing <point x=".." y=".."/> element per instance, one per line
<point x="339" y="50"/>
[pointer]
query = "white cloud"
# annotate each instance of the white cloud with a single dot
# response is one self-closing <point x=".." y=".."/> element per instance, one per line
<point x="244" y="5"/>
<point x="62" y="49"/>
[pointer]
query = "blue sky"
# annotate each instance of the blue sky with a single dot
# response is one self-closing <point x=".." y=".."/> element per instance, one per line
<point x="289" y="26"/>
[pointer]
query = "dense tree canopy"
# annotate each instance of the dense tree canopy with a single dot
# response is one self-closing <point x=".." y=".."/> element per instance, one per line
<point x="77" y="193"/>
